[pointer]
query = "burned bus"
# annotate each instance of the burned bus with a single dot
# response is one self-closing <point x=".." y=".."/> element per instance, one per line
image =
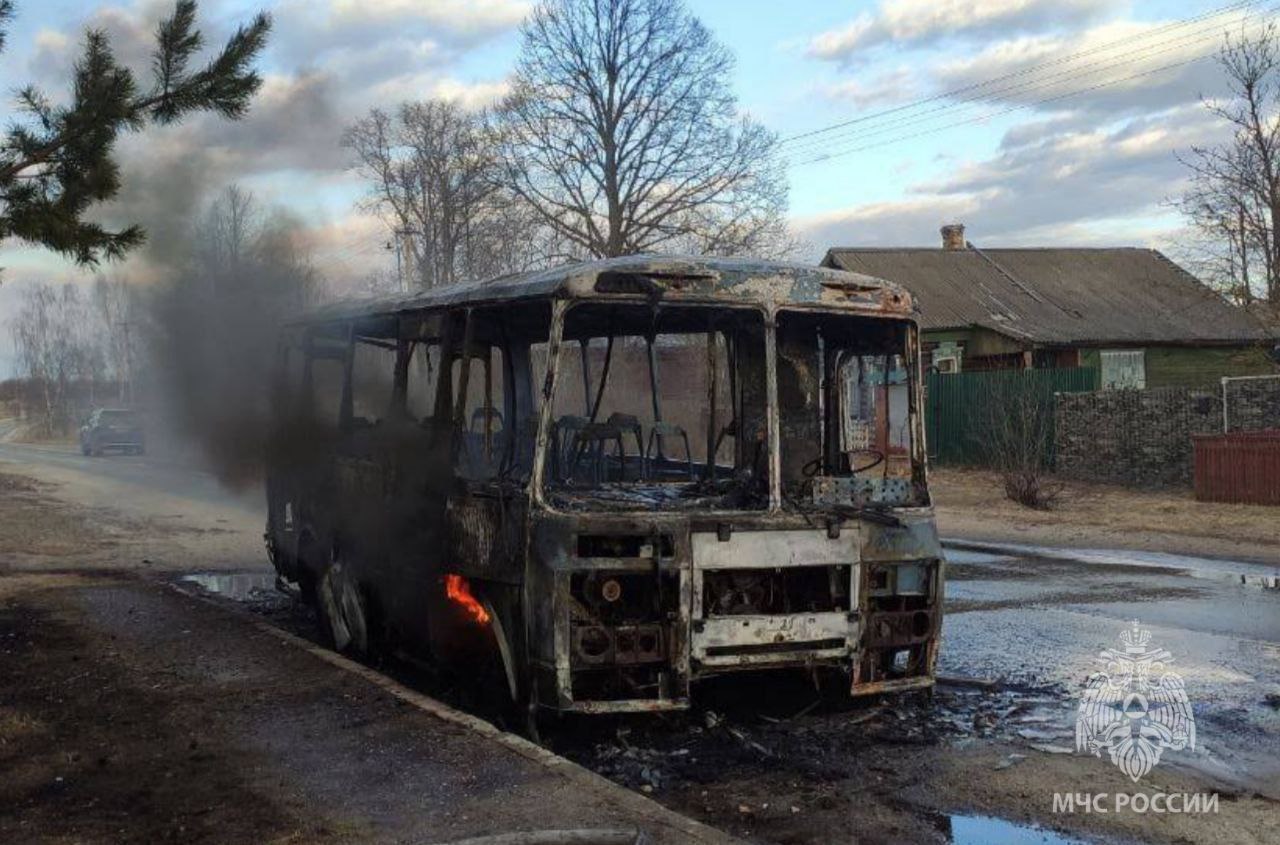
<point x="612" y="479"/>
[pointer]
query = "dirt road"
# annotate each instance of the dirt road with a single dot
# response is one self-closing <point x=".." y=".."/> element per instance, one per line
<point x="284" y="750"/>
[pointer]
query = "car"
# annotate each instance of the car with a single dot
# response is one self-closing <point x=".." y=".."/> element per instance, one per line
<point x="112" y="428"/>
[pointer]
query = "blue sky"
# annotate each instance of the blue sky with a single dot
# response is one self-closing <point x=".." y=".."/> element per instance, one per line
<point x="1087" y="167"/>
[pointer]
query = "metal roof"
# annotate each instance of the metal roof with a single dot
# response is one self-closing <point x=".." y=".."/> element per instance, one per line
<point x="1059" y="296"/>
<point x="726" y="279"/>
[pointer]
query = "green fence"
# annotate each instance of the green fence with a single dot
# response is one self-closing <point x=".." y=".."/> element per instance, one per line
<point x="962" y="408"/>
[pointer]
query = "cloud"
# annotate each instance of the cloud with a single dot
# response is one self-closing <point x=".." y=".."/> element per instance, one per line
<point x="1117" y="66"/>
<point x="457" y="16"/>
<point x="396" y="36"/>
<point x="129" y="30"/>
<point x="1040" y="188"/>
<point x="919" y="23"/>
<point x="892" y="86"/>
<point x="418" y="86"/>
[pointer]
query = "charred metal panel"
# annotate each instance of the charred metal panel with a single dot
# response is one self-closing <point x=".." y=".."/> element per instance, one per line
<point x="772" y="549"/>
<point x="902" y="618"/>
<point x="916" y="538"/>
<point x="755" y="640"/>
<point x="485" y="536"/>
<point x="726" y="634"/>
<point x="614" y="637"/>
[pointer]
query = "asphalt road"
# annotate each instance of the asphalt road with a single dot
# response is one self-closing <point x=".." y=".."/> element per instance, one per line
<point x="1040" y="618"/>
<point x="179" y="518"/>
<point x="127" y="475"/>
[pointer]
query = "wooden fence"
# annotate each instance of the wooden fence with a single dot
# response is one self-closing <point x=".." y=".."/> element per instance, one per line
<point x="1242" y="467"/>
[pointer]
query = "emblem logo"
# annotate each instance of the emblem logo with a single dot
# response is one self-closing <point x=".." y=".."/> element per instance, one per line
<point x="1136" y="708"/>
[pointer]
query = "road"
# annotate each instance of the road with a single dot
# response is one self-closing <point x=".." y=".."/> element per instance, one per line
<point x="1038" y="618"/>
<point x="128" y="477"/>
<point x="182" y="517"/>
<point x="767" y="765"/>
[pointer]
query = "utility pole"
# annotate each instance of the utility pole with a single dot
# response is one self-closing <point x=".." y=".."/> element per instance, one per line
<point x="410" y="264"/>
<point x="395" y="245"/>
<point x="404" y="256"/>
<point x="126" y="386"/>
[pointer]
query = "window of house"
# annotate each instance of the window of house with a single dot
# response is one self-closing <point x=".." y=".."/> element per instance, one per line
<point x="1124" y="369"/>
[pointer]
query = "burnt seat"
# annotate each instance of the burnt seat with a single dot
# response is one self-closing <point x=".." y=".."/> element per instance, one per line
<point x="629" y="424"/>
<point x="660" y="432"/>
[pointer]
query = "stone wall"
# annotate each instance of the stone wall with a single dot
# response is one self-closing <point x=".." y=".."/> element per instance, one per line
<point x="1253" y="404"/>
<point x="1143" y="437"/>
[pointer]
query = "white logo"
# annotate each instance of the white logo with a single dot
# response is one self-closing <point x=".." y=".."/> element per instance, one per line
<point x="1135" y="709"/>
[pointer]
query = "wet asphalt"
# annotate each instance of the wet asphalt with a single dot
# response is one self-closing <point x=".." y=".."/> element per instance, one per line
<point x="1038" y="619"/>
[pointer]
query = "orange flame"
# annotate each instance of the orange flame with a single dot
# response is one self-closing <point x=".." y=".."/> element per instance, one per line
<point x="458" y="590"/>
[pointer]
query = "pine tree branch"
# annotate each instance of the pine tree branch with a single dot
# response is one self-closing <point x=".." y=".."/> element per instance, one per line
<point x="60" y="162"/>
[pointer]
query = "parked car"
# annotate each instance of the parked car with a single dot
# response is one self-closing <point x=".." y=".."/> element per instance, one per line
<point x="112" y="428"/>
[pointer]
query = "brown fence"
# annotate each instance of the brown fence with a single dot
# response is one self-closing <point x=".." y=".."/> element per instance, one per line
<point x="1242" y="467"/>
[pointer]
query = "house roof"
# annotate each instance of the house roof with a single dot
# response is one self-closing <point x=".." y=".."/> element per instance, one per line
<point x="1055" y="296"/>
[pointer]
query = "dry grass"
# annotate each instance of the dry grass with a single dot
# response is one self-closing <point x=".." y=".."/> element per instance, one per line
<point x="972" y="504"/>
<point x="14" y="725"/>
<point x="10" y="483"/>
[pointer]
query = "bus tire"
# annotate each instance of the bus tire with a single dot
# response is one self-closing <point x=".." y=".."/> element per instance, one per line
<point x="343" y="611"/>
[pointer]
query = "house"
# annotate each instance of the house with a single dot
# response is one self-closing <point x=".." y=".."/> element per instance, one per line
<point x="1133" y="313"/>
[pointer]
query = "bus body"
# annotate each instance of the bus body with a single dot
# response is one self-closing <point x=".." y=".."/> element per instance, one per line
<point x="612" y="479"/>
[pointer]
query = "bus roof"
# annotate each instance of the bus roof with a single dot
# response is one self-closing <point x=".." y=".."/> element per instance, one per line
<point x="669" y="278"/>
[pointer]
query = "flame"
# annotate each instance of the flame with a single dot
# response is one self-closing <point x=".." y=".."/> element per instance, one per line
<point x="458" y="590"/>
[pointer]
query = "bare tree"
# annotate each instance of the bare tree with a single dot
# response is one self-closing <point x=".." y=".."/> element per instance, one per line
<point x="433" y="177"/>
<point x="1016" y="429"/>
<point x="54" y="341"/>
<point x="115" y="301"/>
<point x="623" y="135"/>
<point x="225" y="234"/>
<point x="1234" y="199"/>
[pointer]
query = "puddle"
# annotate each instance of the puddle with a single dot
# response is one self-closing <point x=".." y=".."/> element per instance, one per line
<point x="958" y="554"/>
<point x="988" y="830"/>
<point x="237" y="586"/>
<point x="1243" y="572"/>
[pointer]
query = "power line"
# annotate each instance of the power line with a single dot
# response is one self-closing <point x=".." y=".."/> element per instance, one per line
<point x="1023" y="71"/>
<point x="838" y="153"/>
<point x="978" y="86"/>
<point x="1016" y="90"/>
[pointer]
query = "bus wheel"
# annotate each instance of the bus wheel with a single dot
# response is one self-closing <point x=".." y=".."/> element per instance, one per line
<point x="343" y="611"/>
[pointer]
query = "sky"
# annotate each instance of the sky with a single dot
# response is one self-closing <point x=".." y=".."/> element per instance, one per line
<point x="1034" y="122"/>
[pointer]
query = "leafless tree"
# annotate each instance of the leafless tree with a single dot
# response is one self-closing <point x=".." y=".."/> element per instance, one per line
<point x="115" y="302"/>
<point x="1234" y="199"/>
<point x="1017" y="431"/>
<point x="54" y="341"/>
<point x="623" y="135"/>
<point x="434" y="179"/>
<point x="225" y="233"/>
